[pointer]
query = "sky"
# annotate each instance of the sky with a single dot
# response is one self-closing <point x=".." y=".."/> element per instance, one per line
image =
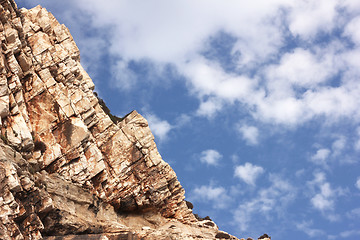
<point x="254" y="104"/>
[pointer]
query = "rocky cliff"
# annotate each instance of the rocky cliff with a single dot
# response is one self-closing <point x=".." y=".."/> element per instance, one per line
<point x="66" y="168"/>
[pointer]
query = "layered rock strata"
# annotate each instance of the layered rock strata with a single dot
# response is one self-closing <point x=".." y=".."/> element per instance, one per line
<point x="65" y="166"/>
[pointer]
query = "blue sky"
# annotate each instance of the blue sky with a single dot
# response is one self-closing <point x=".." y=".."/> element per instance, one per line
<point x="255" y="104"/>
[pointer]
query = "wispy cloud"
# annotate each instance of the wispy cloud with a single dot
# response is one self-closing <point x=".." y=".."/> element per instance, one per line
<point x="338" y="146"/>
<point x="354" y="213"/>
<point x="250" y="134"/>
<point x="210" y="157"/>
<point x="321" y="156"/>
<point x="322" y="12"/>
<point x="159" y="127"/>
<point x="336" y="152"/>
<point x="357" y="184"/>
<point x="209" y="108"/>
<point x="324" y="196"/>
<point x="323" y="200"/>
<point x="352" y="30"/>
<point x="357" y="140"/>
<point x="350" y="233"/>
<point x="217" y="195"/>
<point x="248" y="172"/>
<point x="306" y="227"/>
<point x="268" y="201"/>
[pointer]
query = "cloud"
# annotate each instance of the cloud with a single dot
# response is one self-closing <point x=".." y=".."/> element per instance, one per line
<point x="357" y="184"/>
<point x="209" y="108"/>
<point x="160" y="128"/>
<point x="218" y="196"/>
<point x="352" y="30"/>
<point x="357" y="141"/>
<point x="210" y="157"/>
<point x="354" y="213"/>
<point x="250" y="134"/>
<point x="324" y="156"/>
<point x="271" y="201"/>
<point x="165" y="31"/>
<point x="324" y="196"/>
<point x="320" y="18"/>
<point x="306" y="227"/>
<point x="299" y="68"/>
<point x="125" y="77"/>
<point x="323" y="200"/>
<point x="321" y="156"/>
<point x="248" y="172"/>
<point x="338" y="146"/>
<point x="349" y="233"/>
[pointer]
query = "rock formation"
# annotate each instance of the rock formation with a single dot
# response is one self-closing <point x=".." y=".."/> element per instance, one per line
<point x="65" y="167"/>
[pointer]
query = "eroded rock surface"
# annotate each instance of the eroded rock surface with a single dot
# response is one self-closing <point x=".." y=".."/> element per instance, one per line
<point x="65" y="166"/>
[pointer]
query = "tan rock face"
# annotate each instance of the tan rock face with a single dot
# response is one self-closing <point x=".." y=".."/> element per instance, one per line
<point x="65" y="167"/>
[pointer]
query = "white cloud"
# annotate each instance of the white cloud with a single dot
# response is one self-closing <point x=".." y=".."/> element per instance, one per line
<point x="306" y="227"/>
<point x="271" y="201"/>
<point x="218" y="196"/>
<point x="333" y="103"/>
<point x="248" y="173"/>
<point x="323" y="200"/>
<point x="352" y="30"/>
<point x="300" y="68"/>
<point x="321" y="156"/>
<point x="307" y="18"/>
<point x="160" y="128"/>
<point x="125" y="78"/>
<point x="338" y="146"/>
<point x="210" y="157"/>
<point x="354" y="213"/>
<point x="357" y="141"/>
<point x="250" y="134"/>
<point x="209" y="107"/>
<point x="349" y="233"/>
<point x="357" y="184"/>
<point x="182" y="120"/>
<point x="167" y="31"/>
<point x="324" y="156"/>
<point x="299" y="173"/>
<point x="324" y="196"/>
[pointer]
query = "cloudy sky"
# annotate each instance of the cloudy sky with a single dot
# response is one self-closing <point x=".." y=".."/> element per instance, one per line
<point x="255" y="104"/>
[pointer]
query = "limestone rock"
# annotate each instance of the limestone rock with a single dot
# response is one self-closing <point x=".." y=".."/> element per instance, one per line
<point x="65" y="166"/>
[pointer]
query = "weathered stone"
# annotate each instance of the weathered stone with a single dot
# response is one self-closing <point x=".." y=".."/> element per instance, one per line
<point x="10" y="34"/>
<point x="39" y="43"/>
<point x="3" y="86"/>
<point x="4" y="106"/>
<point x="13" y="64"/>
<point x="24" y="61"/>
